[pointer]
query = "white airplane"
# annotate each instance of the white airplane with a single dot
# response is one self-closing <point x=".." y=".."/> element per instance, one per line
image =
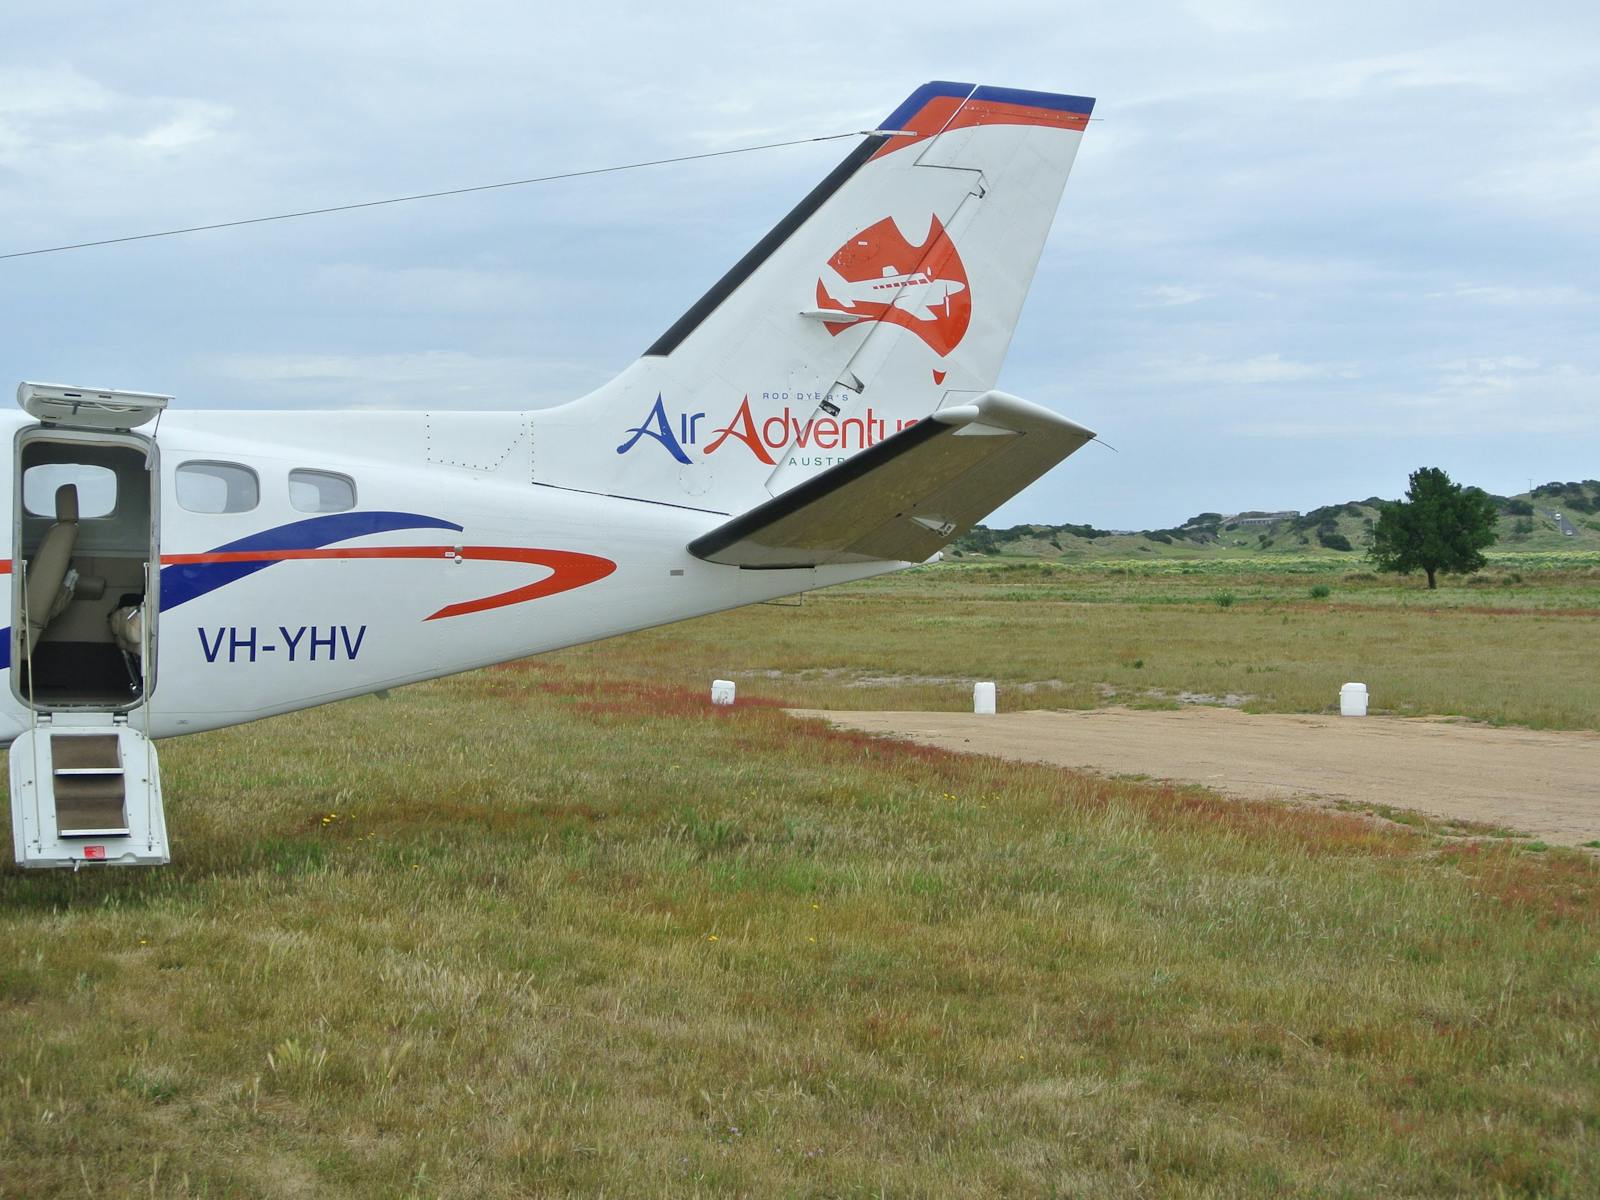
<point x="175" y="571"/>
<point x="917" y="292"/>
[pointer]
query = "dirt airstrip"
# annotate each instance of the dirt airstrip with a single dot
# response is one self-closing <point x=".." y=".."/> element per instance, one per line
<point x="1542" y="783"/>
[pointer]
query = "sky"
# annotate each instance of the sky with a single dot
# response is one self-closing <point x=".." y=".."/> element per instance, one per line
<point x="1302" y="252"/>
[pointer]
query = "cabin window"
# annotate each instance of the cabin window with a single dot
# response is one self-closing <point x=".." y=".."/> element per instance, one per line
<point x="217" y="487"/>
<point x="321" y="491"/>
<point x="97" y="489"/>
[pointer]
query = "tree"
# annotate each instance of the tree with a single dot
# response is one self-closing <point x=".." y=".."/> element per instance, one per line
<point x="1439" y="526"/>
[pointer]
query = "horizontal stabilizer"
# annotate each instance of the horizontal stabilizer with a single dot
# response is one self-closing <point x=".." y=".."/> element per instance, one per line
<point x="905" y="498"/>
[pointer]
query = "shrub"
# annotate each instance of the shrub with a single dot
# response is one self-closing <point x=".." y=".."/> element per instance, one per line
<point x="1321" y="592"/>
<point x="1223" y="599"/>
<point x="1334" y="540"/>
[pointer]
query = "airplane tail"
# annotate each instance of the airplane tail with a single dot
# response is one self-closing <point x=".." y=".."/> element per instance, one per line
<point x="890" y="292"/>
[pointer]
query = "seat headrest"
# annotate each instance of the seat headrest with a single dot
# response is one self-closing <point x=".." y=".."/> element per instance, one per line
<point x="67" y="502"/>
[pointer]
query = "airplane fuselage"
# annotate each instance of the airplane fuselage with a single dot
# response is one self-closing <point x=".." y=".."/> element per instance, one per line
<point x="451" y="557"/>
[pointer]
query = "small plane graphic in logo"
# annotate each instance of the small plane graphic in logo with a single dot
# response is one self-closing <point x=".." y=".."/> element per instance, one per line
<point x="880" y="276"/>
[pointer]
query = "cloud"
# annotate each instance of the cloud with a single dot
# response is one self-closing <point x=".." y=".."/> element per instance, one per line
<point x="1462" y="372"/>
<point x="1513" y="295"/>
<point x="1515" y="392"/>
<point x="1465" y="65"/>
<point x="56" y="118"/>
<point x="1557" y="174"/>
<point x="1238" y="16"/>
<point x="1164" y="295"/>
<point x="1472" y="398"/>
<point x="1247" y="372"/>
<point x="32" y="94"/>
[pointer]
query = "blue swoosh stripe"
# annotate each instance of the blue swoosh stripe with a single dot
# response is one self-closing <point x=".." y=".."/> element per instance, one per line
<point x="188" y="581"/>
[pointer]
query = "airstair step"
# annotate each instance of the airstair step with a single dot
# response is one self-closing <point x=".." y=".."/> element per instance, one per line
<point x="90" y="790"/>
<point x="90" y="806"/>
<point x="84" y="751"/>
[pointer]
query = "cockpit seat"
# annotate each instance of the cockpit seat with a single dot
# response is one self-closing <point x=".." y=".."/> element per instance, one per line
<point x="51" y="579"/>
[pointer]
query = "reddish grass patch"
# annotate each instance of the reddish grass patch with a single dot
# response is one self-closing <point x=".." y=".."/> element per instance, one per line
<point x="1163" y="804"/>
<point x="876" y="747"/>
<point x="1558" y="887"/>
<point x="1315" y="830"/>
<point x="610" y="696"/>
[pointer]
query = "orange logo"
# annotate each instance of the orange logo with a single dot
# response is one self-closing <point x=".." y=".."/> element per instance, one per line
<point x="879" y="276"/>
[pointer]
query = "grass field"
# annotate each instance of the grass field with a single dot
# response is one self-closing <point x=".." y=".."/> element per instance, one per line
<point x="1518" y="644"/>
<point x="561" y="928"/>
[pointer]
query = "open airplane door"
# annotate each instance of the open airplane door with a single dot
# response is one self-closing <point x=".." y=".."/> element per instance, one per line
<point x="85" y="783"/>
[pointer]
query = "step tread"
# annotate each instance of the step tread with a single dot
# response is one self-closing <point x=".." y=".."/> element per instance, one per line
<point x="78" y="751"/>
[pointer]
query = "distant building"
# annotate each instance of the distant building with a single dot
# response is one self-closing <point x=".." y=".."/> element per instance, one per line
<point x="1262" y="518"/>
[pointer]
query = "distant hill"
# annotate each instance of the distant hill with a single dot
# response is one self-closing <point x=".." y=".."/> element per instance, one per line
<point x="1536" y="520"/>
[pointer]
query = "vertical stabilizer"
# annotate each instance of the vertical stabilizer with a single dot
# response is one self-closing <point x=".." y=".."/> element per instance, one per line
<point x="890" y="291"/>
